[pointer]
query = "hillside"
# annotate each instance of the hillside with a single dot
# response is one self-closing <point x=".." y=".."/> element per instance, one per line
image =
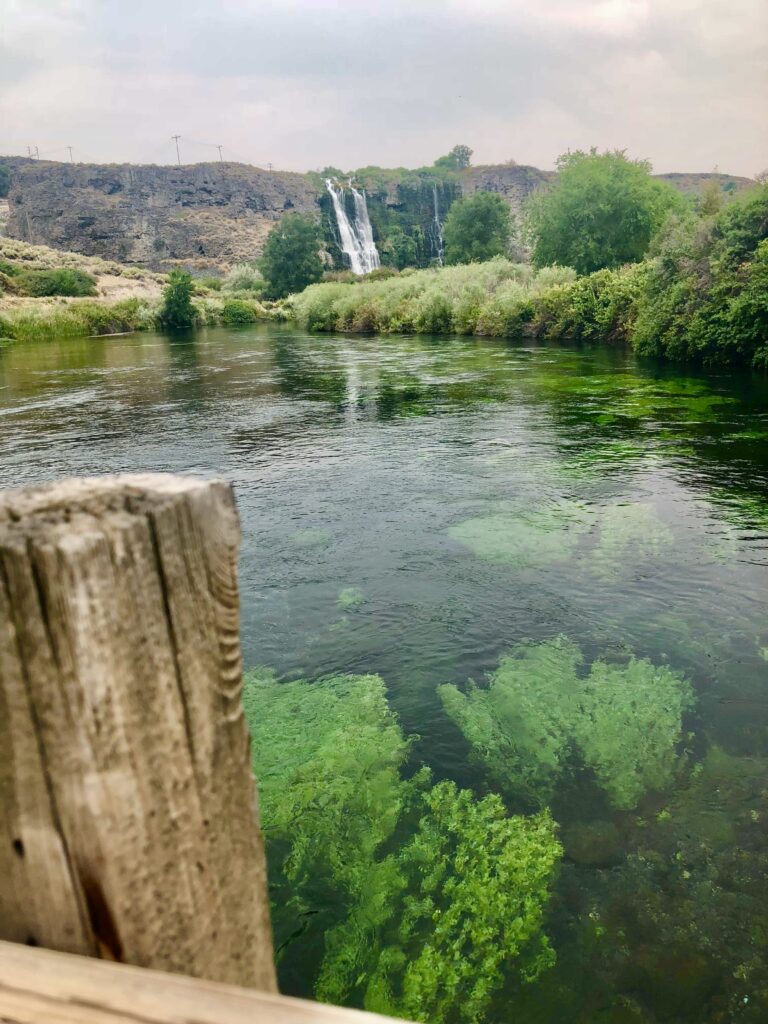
<point x="114" y="282"/>
<point x="210" y="216"/>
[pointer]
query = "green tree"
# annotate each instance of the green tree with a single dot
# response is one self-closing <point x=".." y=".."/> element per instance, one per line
<point x="291" y="257"/>
<point x="705" y="295"/>
<point x="477" y="228"/>
<point x="457" y="160"/>
<point x="177" y="309"/>
<point x="5" y="180"/>
<point x="602" y="211"/>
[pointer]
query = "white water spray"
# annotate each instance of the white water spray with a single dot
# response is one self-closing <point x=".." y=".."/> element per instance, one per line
<point x="438" y="229"/>
<point x="356" y="236"/>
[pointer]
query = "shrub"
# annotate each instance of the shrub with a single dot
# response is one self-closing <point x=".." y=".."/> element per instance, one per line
<point x="244" y="277"/>
<point x="211" y="284"/>
<point x="238" y="311"/>
<point x="177" y="310"/>
<point x="62" y="281"/>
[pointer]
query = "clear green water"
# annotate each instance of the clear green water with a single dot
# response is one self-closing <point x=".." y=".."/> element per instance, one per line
<point x="418" y="507"/>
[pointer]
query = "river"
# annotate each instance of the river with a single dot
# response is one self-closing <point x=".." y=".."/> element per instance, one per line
<point x="466" y="496"/>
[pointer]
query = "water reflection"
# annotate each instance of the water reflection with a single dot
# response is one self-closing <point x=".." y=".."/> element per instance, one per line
<point x="480" y="495"/>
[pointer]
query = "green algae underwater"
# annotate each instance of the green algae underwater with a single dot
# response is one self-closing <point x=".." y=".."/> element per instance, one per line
<point x="513" y="746"/>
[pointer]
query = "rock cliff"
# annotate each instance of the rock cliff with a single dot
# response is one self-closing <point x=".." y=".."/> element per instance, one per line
<point x="203" y="214"/>
<point x="216" y="214"/>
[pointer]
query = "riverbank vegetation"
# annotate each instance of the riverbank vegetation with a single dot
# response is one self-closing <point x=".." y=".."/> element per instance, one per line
<point x="699" y="294"/>
<point x="46" y="294"/>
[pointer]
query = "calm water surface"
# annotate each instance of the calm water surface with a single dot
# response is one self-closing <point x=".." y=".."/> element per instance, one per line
<point x="359" y="462"/>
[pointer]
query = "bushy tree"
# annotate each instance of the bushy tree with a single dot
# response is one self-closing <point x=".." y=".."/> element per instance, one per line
<point x="5" y="180"/>
<point x="458" y="159"/>
<point x="177" y="310"/>
<point x="291" y="257"/>
<point x="477" y="228"/>
<point x="61" y="281"/>
<point x="602" y="211"/>
<point x="705" y="295"/>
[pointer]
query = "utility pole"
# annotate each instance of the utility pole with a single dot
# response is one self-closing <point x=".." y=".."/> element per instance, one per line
<point x="176" y="140"/>
<point x="71" y="160"/>
<point x="221" y="158"/>
<point x="37" y="153"/>
<point x="269" y="166"/>
<point x="29" y="151"/>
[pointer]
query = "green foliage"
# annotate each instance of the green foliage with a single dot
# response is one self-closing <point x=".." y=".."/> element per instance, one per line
<point x="492" y="298"/>
<point x="631" y="537"/>
<point x="600" y="307"/>
<point x="438" y="891"/>
<point x="520" y="724"/>
<point x="602" y="211"/>
<point x="706" y="291"/>
<point x="63" y="281"/>
<point x="244" y="277"/>
<point x="526" y="539"/>
<point x="478" y="885"/>
<point x="350" y="597"/>
<point x="291" y="257"/>
<point x="537" y="714"/>
<point x="400" y="249"/>
<point x="458" y="159"/>
<point x="477" y="228"/>
<point x="5" y="180"/>
<point x="238" y="311"/>
<point x="79" y="318"/>
<point x="328" y="756"/>
<point x="211" y="284"/>
<point x="177" y="310"/>
<point x="629" y="725"/>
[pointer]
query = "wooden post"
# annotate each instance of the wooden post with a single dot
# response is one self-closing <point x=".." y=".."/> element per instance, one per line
<point x="129" y="821"/>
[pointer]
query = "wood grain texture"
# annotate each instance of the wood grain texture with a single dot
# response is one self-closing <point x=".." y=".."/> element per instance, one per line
<point x="130" y="828"/>
<point x="38" y="986"/>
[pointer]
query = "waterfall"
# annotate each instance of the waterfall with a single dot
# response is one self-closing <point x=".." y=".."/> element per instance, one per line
<point x="356" y="236"/>
<point x="438" y="228"/>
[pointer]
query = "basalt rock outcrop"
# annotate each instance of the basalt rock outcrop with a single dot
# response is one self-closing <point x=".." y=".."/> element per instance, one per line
<point x="201" y="214"/>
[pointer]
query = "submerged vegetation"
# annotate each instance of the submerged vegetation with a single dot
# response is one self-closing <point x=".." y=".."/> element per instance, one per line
<point x="537" y="716"/>
<point x="439" y="890"/>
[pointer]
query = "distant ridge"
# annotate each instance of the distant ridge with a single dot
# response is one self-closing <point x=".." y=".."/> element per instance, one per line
<point x="209" y="215"/>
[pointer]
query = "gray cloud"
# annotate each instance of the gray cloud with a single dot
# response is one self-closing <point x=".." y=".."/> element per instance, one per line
<point x="303" y="83"/>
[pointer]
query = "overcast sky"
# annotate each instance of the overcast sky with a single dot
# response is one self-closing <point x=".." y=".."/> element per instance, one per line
<point x="306" y="83"/>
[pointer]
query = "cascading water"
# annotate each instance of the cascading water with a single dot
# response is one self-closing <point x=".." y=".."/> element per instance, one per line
<point x="438" y="229"/>
<point x="356" y="236"/>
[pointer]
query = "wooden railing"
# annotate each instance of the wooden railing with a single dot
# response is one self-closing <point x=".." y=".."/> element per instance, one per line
<point x="41" y="987"/>
<point x="130" y="825"/>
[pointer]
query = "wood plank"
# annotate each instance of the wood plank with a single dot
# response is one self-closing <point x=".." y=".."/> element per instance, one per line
<point x="129" y="824"/>
<point x="42" y="987"/>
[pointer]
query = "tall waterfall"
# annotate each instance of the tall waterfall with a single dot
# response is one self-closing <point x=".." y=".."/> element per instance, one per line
<point x="438" y="229"/>
<point x="356" y="236"/>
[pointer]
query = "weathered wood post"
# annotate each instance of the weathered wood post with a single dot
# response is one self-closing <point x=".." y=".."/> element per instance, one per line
<point x="129" y="823"/>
